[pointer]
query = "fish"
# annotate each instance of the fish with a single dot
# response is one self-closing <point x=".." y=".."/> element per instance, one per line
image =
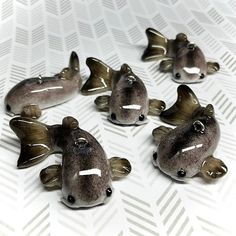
<point x="187" y="150"/>
<point x="184" y="59"/>
<point x="128" y="103"/>
<point x="85" y="174"/>
<point x="30" y="96"/>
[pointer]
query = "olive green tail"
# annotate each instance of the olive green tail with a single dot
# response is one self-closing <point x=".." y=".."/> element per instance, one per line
<point x="184" y="108"/>
<point x="100" y="78"/>
<point x="35" y="139"/>
<point x="157" y="45"/>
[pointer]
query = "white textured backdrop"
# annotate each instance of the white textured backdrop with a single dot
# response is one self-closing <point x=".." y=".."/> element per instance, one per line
<point x="37" y="37"/>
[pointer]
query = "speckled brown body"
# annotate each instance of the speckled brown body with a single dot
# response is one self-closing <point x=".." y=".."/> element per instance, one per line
<point x="186" y="60"/>
<point x="85" y="174"/>
<point x="86" y="189"/>
<point x="184" y="148"/>
<point x="128" y="101"/>
<point x="188" y="150"/>
<point x="45" y="92"/>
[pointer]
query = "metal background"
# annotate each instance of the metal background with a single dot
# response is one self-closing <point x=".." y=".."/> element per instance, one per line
<point x="37" y="37"/>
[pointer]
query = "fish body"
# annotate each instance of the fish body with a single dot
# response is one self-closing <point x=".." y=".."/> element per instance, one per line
<point x="187" y="150"/>
<point x="85" y="174"/>
<point x="186" y="60"/>
<point x="44" y="92"/>
<point x="128" y="103"/>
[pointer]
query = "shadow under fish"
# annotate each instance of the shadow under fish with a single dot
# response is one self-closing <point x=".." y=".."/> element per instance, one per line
<point x="186" y="60"/>
<point x="187" y="150"/>
<point x="85" y="174"/>
<point x="128" y="103"/>
<point x="29" y="96"/>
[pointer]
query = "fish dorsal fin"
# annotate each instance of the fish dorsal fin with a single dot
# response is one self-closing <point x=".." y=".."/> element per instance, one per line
<point x="100" y="78"/>
<point x="74" y="62"/>
<point x="157" y="45"/>
<point x="183" y="109"/>
<point x="35" y="139"/>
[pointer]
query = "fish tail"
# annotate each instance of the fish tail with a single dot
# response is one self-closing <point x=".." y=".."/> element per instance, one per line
<point x="36" y="141"/>
<point x="100" y="78"/>
<point x="183" y="109"/>
<point x="157" y="45"/>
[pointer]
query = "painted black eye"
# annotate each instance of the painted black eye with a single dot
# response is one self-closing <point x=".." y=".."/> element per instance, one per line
<point x="177" y="75"/>
<point x="71" y="199"/>
<point x="8" y="107"/>
<point x="202" y="76"/>
<point x="154" y="156"/>
<point x="109" y="192"/>
<point x="141" y="117"/>
<point x="181" y="173"/>
<point x="113" y="116"/>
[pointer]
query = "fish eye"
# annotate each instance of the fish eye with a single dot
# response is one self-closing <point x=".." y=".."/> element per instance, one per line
<point x="8" y="107"/>
<point x="154" y="156"/>
<point x="113" y="116"/>
<point x="202" y="76"/>
<point x="177" y="75"/>
<point x="181" y="173"/>
<point x="108" y="192"/>
<point x="71" y="199"/>
<point x="198" y="126"/>
<point x="141" y="117"/>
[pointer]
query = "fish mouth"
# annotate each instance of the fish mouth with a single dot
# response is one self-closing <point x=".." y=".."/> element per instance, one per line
<point x="128" y="123"/>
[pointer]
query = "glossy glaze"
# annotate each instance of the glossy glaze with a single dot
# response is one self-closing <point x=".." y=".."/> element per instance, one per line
<point x="29" y="96"/>
<point x="128" y="103"/>
<point x="85" y="174"/>
<point x="187" y="61"/>
<point x="188" y="150"/>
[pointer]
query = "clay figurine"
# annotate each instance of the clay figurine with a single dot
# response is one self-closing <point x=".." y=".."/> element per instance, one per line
<point x="187" y="150"/>
<point x="29" y="96"/>
<point x="85" y="174"/>
<point x="186" y="60"/>
<point x="128" y="103"/>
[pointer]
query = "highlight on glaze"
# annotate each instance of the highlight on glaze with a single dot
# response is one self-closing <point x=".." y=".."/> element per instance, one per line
<point x="187" y="150"/>
<point x="85" y="174"/>
<point x="128" y="103"/>
<point x="30" y="96"/>
<point x="184" y="59"/>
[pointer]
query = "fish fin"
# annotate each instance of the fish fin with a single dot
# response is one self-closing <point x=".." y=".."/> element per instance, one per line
<point x="120" y="167"/>
<point x="213" y="168"/>
<point x="74" y="62"/>
<point x="156" y="107"/>
<point x="183" y="109"/>
<point x="102" y="102"/>
<point x="212" y="67"/>
<point x="51" y="177"/>
<point x="157" y="45"/>
<point x="159" y="132"/>
<point x="35" y="139"/>
<point x="99" y="79"/>
<point x="31" y="111"/>
<point x="166" y="65"/>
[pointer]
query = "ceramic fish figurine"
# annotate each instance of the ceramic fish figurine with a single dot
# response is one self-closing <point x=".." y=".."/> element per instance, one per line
<point x="85" y="174"/>
<point x="128" y="103"/>
<point x="186" y="60"/>
<point x="188" y="150"/>
<point x="29" y="96"/>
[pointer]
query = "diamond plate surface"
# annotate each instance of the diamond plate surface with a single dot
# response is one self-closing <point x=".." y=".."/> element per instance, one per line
<point x="36" y="37"/>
